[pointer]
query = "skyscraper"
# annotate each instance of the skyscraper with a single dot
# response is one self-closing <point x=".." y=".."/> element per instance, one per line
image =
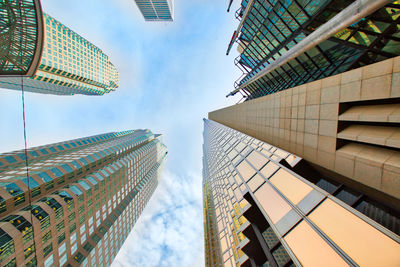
<point x="259" y="211"/>
<point x="156" y="10"/>
<point x="78" y="200"/>
<point x="308" y="171"/>
<point x="69" y="64"/>
<point x="283" y="45"/>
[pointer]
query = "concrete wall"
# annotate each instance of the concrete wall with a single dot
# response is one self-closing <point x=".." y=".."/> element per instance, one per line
<point x="316" y="121"/>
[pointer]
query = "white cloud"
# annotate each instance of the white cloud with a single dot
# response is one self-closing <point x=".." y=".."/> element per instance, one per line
<point x="170" y="230"/>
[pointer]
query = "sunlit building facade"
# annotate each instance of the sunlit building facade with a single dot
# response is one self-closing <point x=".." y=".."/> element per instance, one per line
<point x="78" y="200"/>
<point x="156" y="10"/>
<point x="264" y="206"/>
<point x="69" y="65"/>
<point x="289" y="43"/>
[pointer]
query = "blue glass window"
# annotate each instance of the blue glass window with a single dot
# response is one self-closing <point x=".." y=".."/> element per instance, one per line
<point x="90" y="158"/>
<point x="60" y="148"/>
<point x="101" y="178"/>
<point x="52" y="149"/>
<point x="92" y="180"/>
<point x="10" y="159"/>
<point x="45" y="177"/>
<point x="30" y="182"/>
<point x="67" y="168"/>
<point x="85" y="185"/>
<point x="22" y="156"/>
<point x="12" y="188"/>
<point x="76" y="164"/>
<point x="76" y="190"/>
<point x="34" y="153"/>
<point x="57" y="172"/>
<point x="67" y="146"/>
<point x="84" y="161"/>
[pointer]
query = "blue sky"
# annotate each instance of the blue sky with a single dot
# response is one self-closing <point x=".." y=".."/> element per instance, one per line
<point x="171" y="75"/>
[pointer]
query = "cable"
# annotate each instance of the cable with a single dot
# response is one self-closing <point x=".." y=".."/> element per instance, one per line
<point x="27" y="165"/>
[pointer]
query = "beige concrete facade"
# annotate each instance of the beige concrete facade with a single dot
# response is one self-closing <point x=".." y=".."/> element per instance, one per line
<point x="348" y="124"/>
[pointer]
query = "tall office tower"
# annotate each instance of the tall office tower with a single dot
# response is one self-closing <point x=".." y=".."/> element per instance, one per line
<point x="47" y="57"/>
<point x="156" y="10"/>
<point x="264" y="206"/>
<point x="286" y="44"/>
<point x="78" y="200"/>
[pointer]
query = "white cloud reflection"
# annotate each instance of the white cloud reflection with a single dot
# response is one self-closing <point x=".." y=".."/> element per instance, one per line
<point x="170" y="228"/>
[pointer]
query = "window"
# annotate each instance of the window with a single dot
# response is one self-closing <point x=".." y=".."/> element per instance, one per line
<point x="29" y="250"/>
<point x="79" y="257"/>
<point x="46" y="237"/>
<point x="31" y="263"/>
<point x="41" y="215"/>
<point x="72" y="228"/>
<point x="22" y="225"/>
<point x="6" y="245"/>
<point x="47" y="179"/>
<point x="49" y="261"/>
<point x="63" y="259"/>
<point x="83" y="238"/>
<point x="62" y="248"/>
<point x="61" y="238"/>
<point x="47" y="250"/>
<point x="3" y="207"/>
<point x="74" y="248"/>
<point x="14" y="190"/>
<point x="71" y="217"/>
<point x="81" y="209"/>
<point x="60" y="226"/>
<point x="88" y="247"/>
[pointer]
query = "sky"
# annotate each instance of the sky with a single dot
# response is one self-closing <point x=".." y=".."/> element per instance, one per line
<point x="171" y="76"/>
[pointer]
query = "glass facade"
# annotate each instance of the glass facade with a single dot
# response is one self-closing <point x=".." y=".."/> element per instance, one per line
<point x="271" y="28"/>
<point x="259" y="212"/>
<point x="86" y="195"/>
<point x="156" y="10"/>
<point x="21" y="29"/>
<point x="69" y="65"/>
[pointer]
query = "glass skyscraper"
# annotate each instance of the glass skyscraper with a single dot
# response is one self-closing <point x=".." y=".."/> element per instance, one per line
<point x="69" y="63"/>
<point x="264" y="206"/>
<point x="156" y="10"/>
<point x="283" y="44"/>
<point x="78" y="200"/>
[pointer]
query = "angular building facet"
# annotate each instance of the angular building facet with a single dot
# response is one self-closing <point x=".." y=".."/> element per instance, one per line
<point x="78" y="200"/>
<point x="286" y="44"/>
<point x="156" y="10"/>
<point x="69" y="64"/>
<point x="264" y="206"/>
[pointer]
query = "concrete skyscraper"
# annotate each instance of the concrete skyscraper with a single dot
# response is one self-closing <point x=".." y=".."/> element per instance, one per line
<point x="259" y="211"/>
<point x="306" y="171"/>
<point x="51" y="58"/>
<point x="156" y="10"/>
<point x="78" y="200"/>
